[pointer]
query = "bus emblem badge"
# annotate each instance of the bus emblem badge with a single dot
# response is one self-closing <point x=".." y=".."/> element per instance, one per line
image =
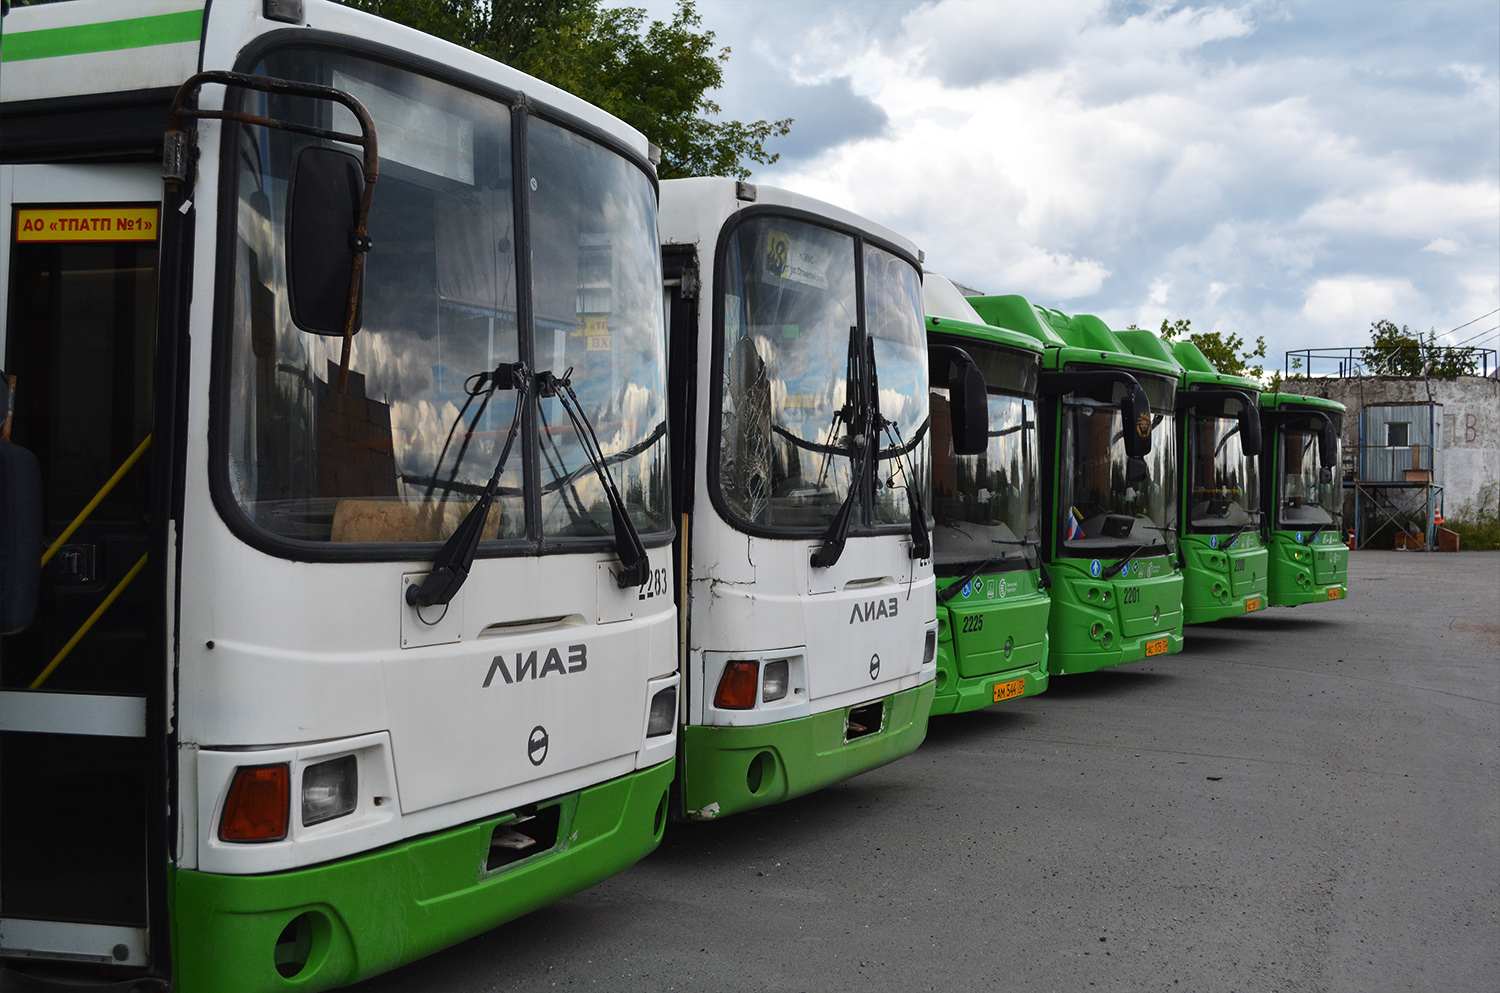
<point x="536" y="746"/>
<point x="874" y="666"/>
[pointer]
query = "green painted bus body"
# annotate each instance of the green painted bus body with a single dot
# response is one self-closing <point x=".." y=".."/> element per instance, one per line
<point x="726" y="770"/>
<point x="336" y="923"/>
<point x="1095" y="621"/>
<point x="1219" y="580"/>
<point x="992" y="632"/>
<point x="1304" y="567"/>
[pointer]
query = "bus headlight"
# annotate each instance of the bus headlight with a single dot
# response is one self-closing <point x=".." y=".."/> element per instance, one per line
<point x="329" y="789"/>
<point x="777" y="677"/>
<point x="663" y="713"/>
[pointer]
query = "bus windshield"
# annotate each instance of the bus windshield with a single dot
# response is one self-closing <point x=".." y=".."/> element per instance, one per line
<point x="986" y="506"/>
<point x="789" y="305"/>
<point x="403" y="452"/>
<point x="1303" y="499"/>
<point x="1104" y="501"/>
<point x="1225" y="492"/>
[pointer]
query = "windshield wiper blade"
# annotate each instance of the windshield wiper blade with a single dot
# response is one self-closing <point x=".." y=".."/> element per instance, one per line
<point x="1242" y="529"/>
<point x="1138" y="549"/>
<point x="635" y="566"/>
<point x="450" y="568"/>
<point x="949" y="592"/>
<point x="860" y="444"/>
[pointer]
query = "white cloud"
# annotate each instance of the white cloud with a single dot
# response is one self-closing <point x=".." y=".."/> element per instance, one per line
<point x="1443" y="246"/>
<point x="1344" y="302"/>
<point x="1414" y="208"/>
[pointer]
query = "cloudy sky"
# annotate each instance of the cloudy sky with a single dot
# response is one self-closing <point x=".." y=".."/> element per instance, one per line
<point x="1292" y="170"/>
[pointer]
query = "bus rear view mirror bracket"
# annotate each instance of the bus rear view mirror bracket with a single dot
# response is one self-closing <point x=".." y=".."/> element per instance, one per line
<point x="1249" y="416"/>
<point x="1135" y="405"/>
<point x="954" y="368"/>
<point x="323" y="243"/>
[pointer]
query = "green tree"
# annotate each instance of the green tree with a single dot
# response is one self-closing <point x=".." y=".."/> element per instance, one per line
<point x="655" y="77"/>
<point x="1228" y="354"/>
<point x="1401" y="351"/>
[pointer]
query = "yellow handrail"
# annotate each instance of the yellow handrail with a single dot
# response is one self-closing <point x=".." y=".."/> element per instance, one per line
<point x="83" y="514"/>
<point x="114" y="595"/>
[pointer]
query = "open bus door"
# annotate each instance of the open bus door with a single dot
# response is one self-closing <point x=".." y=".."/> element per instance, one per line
<point x="83" y="684"/>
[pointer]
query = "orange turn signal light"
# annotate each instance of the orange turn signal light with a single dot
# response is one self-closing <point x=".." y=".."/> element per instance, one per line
<point x="737" y="686"/>
<point x="258" y="805"/>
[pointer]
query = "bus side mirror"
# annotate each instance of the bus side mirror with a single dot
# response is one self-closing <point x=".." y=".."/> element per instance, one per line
<point x="1251" y="442"/>
<point x="1328" y="446"/>
<point x="967" y="398"/>
<point x="322" y="223"/>
<point x="20" y="536"/>
<point x="1135" y="410"/>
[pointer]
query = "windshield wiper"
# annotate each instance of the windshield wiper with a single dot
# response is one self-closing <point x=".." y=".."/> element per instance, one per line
<point x="1335" y="518"/>
<point x="450" y="569"/>
<point x="865" y="441"/>
<point x="635" y="566"/>
<point x="949" y="592"/>
<point x="1243" y="528"/>
<point x="1138" y="549"/>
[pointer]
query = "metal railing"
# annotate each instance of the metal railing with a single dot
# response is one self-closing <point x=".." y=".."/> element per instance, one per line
<point x="1345" y="363"/>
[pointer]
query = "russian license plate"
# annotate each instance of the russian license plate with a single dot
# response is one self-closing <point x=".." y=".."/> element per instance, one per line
<point x="1252" y="604"/>
<point x="1008" y="690"/>
<point x="1157" y="646"/>
<point x="1335" y="593"/>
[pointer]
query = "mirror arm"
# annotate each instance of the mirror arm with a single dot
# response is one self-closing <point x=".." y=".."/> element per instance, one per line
<point x="178" y="141"/>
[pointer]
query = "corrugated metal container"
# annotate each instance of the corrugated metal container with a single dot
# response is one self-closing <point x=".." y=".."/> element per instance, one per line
<point x="1401" y="443"/>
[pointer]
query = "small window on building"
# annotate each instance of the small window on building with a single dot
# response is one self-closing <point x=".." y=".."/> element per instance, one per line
<point x="1396" y="434"/>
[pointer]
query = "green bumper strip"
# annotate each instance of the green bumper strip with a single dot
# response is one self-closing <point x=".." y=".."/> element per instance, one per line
<point x="105" y="36"/>
<point x="332" y="924"/>
<point x="726" y="770"/>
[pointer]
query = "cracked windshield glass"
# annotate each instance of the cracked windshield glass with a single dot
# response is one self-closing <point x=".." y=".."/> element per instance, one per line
<point x="406" y="449"/>
<point x="986" y="506"/>
<point x="1108" y="500"/>
<point x="789" y="306"/>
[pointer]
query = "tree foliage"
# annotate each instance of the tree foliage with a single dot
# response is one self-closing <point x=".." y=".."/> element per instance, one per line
<point x="1228" y="354"/>
<point x="656" y="77"/>
<point x="1401" y="351"/>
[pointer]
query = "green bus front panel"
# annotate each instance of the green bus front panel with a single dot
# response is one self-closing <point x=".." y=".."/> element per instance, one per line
<point x="1303" y="572"/>
<point x="992" y="643"/>
<point x="1218" y="582"/>
<point x="333" y="924"/>
<point x="726" y="770"/>
<point x="1096" y="623"/>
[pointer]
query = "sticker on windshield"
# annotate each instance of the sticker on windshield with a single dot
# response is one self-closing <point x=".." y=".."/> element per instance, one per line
<point x="1213" y="541"/>
<point x="1095" y="568"/>
<point x="795" y="259"/>
<point x="968" y="589"/>
<point x="1299" y="537"/>
<point x="1125" y="570"/>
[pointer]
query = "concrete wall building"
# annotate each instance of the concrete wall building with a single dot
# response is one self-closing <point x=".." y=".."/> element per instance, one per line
<point x="1467" y="428"/>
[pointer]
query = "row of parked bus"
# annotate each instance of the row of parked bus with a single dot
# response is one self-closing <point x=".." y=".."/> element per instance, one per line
<point x="408" y="504"/>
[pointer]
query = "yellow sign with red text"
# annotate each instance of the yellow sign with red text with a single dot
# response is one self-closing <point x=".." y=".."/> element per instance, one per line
<point x="101" y="223"/>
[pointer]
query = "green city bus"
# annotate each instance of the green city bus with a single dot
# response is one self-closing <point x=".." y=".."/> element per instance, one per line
<point x="1219" y="444"/>
<point x="1301" y="488"/>
<point x="992" y="603"/>
<point x="1109" y="488"/>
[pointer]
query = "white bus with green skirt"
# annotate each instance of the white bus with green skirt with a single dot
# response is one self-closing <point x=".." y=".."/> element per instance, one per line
<point x="334" y="514"/>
